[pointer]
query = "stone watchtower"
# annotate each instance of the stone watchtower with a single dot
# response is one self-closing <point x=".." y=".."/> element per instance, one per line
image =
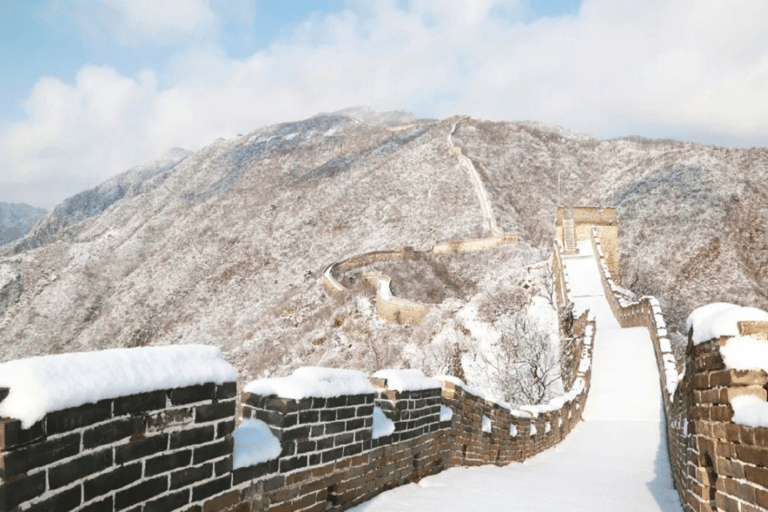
<point x="574" y="224"/>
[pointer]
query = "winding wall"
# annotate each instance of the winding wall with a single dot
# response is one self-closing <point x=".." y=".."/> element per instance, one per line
<point x="716" y="463"/>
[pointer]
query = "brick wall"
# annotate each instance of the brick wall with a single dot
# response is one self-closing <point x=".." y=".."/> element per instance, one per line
<point x="716" y="463"/>
<point x="164" y="449"/>
<point x="396" y="309"/>
<point x="330" y="461"/>
<point x="173" y="449"/>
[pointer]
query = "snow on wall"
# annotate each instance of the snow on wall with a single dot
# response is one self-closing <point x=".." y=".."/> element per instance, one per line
<point x="313" y="382"/>
<point x="745" y="353"/>
<point x="407" y="380"/>
<point x="720" y="319"/>
<point x="40" y="385"/>
<point x="382" y="426"/>
<point x="254" y="443"/>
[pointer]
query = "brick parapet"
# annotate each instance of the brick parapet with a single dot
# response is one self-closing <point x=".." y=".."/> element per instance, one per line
<point x="173" y="449"/>
<point x="122" y="452"/>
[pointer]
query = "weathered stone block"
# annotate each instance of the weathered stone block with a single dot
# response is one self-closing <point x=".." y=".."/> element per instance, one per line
<point x="223" y="466"/>
<point x="167" y="462"/>
<point x="191" y="394"/>
<point x="224" y="428"/>
<point x="214" y="450"/>
<point x="253" y="472"/>
<point x="105" y="505"/>
<point x="208" y="489"/>
<point x="76" y="417"/>
<point x="15" y="492"/>
<point x="142" y="402"/>
<point x="215" y="411"/>
<point x="64" y="474"/>
<point x="38" y="455"/>
<point x="173" y="501"/>
<point x="226" y="391"/>
<point x="111" y="481"/>
<point x="184" y="477"/>
<point x="139" y="448"/>
<point x="13" y="435"/>
<point x="68" y="499"/>
<point x="141" y="492"/>
<point x="199" y="435"/>
<point x="113" y="431"/>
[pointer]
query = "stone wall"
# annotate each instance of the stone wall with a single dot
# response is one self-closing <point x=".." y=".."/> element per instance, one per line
<point x="173" y="449"/>
<point x="331" y="461"/>
<point x="164" y="449"/>
<point x="717" y="464"/>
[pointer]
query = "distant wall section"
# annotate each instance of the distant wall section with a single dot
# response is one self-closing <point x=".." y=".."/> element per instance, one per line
<point x="604" y="220"/>
<point x="389" y="307"/>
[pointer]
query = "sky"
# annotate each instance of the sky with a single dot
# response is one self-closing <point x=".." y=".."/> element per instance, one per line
<point x="91" y="88"/>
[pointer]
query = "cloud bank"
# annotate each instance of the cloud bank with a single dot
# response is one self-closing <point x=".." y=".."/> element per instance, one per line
<point x="688" y="69"/>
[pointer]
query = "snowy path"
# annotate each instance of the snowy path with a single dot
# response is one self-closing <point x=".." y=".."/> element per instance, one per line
<point x="615" y="460"/>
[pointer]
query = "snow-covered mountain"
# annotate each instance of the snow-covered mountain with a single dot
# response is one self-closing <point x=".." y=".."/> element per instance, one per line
<point x="16" y="219"/>
<point x="225" y="246"/>
<point x="65" y="219"/>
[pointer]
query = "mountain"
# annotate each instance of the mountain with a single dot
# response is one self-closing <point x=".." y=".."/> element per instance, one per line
<point x="17" y="219"/>
<point x="226" y="245"/>
<point x="66" y="219"/>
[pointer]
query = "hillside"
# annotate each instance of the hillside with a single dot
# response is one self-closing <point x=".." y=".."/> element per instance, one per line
<point x="17" y="219"/>
<point x="225" y="246"/>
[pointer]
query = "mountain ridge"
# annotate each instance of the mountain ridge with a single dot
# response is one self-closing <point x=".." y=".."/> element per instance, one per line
<point x="226" y="247"/>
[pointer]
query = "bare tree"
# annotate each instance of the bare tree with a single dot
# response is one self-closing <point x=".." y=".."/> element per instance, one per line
<point x="548" y="285"/>
<point x="521" y="365"/>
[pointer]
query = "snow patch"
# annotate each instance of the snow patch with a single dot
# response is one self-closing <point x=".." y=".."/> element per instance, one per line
<point x="513" y="430"/>
<point x="40" y="385"/>
<point x="486" y="424"/>
<point x="407" y="380"/>
<point x="382" y="426"/>
<point x="313" y="382"/>
<point x="446" y="413"/>
<point x="254" y="443"/>
<point x="745" y="353"/>
<point x="750" y="411"/>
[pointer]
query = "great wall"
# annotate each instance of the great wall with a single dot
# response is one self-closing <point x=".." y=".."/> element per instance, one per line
<point x="173" y="447"/>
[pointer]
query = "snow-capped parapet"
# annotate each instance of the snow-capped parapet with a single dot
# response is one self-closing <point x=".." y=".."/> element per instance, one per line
<point x="407" y="380"/>
<point x="313" y="382"/>
<point x="721" y="319"/>
<point x="40" y="385"/>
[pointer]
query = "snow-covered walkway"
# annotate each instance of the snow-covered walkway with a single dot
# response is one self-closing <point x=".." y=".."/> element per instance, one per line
<point x="614" y="461"/>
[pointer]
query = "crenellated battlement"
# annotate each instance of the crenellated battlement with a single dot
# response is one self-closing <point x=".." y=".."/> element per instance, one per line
<point x="173" y="448"/>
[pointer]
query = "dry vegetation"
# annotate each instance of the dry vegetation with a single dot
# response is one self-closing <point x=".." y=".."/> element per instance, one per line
<point x="226" y="247"/>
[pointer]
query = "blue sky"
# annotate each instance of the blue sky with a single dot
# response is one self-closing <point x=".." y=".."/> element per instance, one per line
<point x="96" y="86"/>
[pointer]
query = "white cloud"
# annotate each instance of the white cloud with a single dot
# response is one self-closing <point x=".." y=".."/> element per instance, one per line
<point x="133" y="22"/>
<point x="660" y="69"/>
